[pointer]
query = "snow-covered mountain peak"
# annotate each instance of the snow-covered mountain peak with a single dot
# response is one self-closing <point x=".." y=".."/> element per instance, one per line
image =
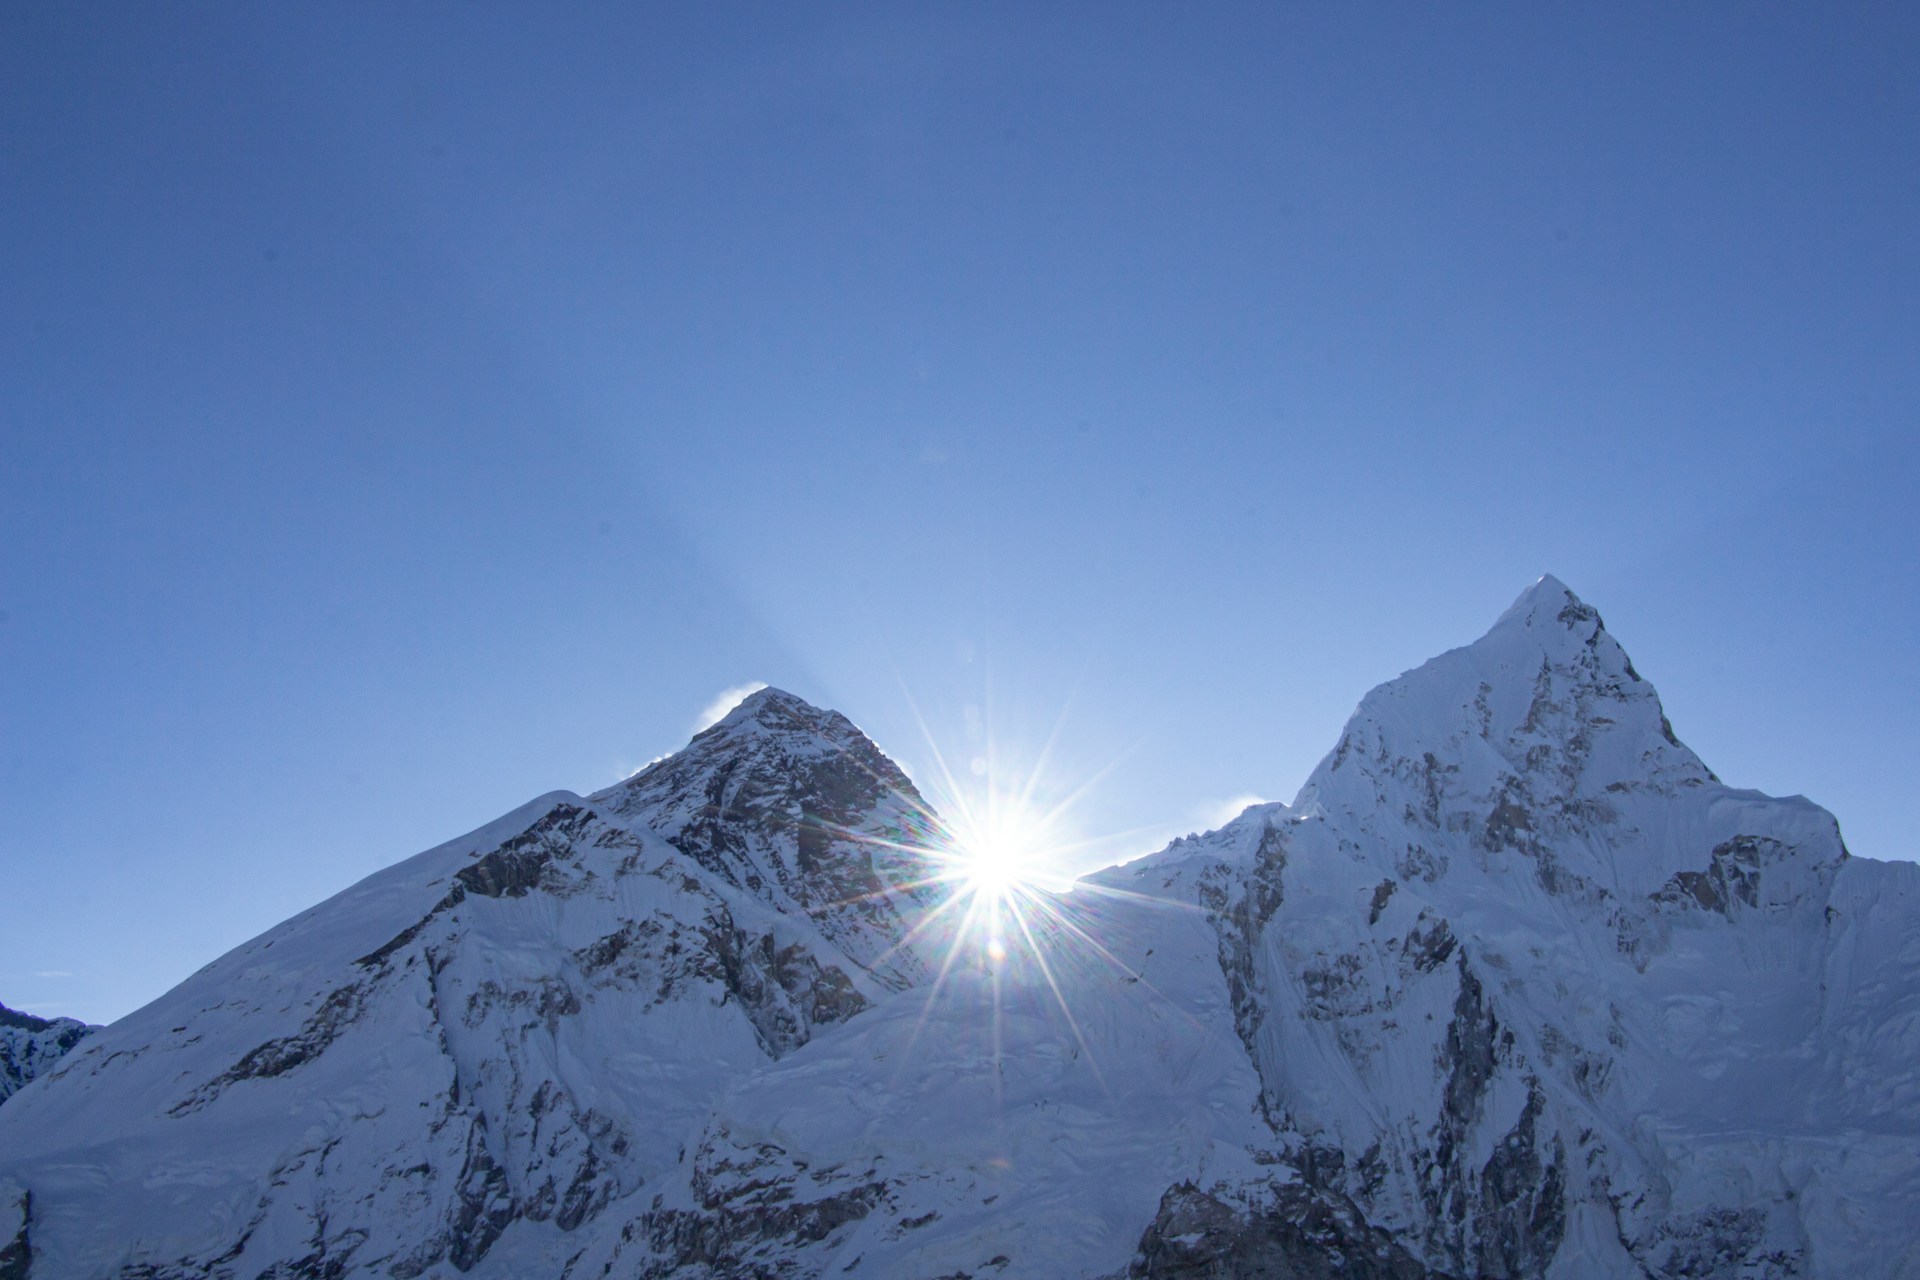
<point x="769" y="725"/>
<point x="1538" y="756"/>
<point x="1544" y="600"/>
<point x="494" y="1039"/>
<point x="1545" y="710"/>
<point x="1548" y="619"/>
<point x="792" y="804"/>
<point x="775" y="709"/>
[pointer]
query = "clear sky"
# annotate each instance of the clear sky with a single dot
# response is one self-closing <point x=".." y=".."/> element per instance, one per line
<point x="407" y="409"/>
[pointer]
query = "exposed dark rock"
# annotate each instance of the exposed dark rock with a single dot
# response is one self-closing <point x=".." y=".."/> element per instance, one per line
<point x="23" y="1021"/>
<point x="1523" y="1214"/>
<point x="760" y="783"/>
<point x="515" y="868"/>
<point x="277" y="1057"/>
<point x="1297" y="1233"/>
<point x="1237" y="922"/>
<point x="484" y="1204"/>
<point x="785" y="991"/>
<point x="1336" y="987"/>
<point x="30" y="1046"/>
<point x="1382" y="894"/>
<point x="1431" y="779"/>
<point x="1509" y="826"/>
<point x="16" y="1245"/>
<point x="1732" y="877"/>
<point x="518" y="864"/>
<point x="1418" y="863"/>
<point x="739" y="1232"/>
<point x="1429" y="943"/>
<point x="1469" y="1059"/>
<point x="381" y="954"/>
<point x="1721" y="1242"/>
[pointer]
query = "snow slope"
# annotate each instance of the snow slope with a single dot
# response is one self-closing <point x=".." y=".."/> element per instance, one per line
<point x="1516" y="987"/>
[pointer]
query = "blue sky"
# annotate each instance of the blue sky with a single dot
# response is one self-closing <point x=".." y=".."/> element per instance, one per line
<point x="405" y="410"/>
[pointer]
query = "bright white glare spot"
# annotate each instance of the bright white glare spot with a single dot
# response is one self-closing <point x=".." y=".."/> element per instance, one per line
<point x="997" y="839"/>
<point x="993" y="869"/>
<point x="999" y="845"/>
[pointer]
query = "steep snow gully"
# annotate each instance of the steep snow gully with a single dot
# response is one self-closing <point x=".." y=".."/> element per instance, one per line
<point x="1516" y="987"/>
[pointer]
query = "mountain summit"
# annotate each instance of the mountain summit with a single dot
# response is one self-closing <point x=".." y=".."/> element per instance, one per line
<point x="1515" y="988"/>
<point x="792" y="804"/>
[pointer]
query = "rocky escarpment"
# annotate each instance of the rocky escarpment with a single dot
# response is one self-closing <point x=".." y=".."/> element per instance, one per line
<point x="1276" y="1231"/>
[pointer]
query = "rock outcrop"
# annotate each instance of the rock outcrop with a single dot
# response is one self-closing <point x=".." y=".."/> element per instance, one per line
<point x="30" y="1046"/>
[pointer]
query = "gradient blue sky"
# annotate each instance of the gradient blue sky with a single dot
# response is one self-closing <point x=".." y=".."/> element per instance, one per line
<point x="412" y="408"/>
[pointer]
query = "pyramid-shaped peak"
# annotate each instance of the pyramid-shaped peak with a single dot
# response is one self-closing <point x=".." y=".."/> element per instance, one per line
<point x="771" y="708"/>
<point x="1547" y="697"/>
<point x="1550" y="602"/>
<point x="768" y="696"/>
<point x="1547" y="589"/>
<point x="772" y="727"/>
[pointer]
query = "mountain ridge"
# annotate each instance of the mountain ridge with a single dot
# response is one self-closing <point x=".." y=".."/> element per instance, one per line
<point x="1516" y="987"/>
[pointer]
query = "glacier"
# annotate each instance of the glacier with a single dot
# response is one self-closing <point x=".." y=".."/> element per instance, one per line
<point x="1515" y="987"/>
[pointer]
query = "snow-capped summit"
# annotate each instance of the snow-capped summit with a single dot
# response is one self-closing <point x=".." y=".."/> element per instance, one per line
<point x="1516" y="988"/>
<point x="776" y="710"/>
<point x="792" y="804"/>
<point x="1548" y="595"/>
<point x="1540" y="739"/>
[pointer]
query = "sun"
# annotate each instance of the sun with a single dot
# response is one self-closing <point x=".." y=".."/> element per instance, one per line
<point x="997" y="838"/>
<point x="986" y="864"/>
<point x="999" y="846"/>
<point x="992" y="869"/>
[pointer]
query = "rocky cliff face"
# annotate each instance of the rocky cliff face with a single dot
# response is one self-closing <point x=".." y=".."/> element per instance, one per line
<point x="29" y="1046"/>
<point x="1515" y="988"/>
